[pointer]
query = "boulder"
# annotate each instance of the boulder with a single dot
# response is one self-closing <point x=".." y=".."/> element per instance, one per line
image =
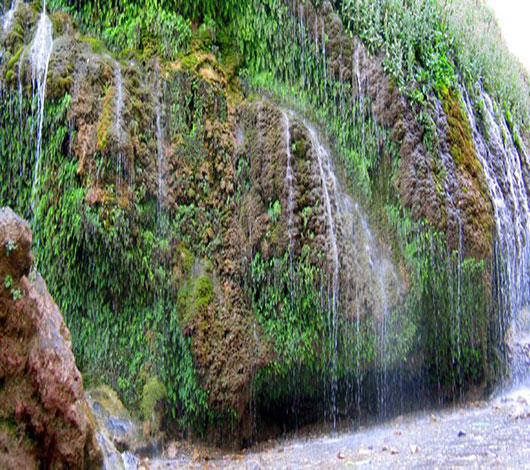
<point x="45" y="421"/>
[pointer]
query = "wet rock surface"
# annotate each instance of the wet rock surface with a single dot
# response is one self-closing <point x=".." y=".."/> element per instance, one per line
<point x="44" y="419"/>
<point x="495" y="434"/>
<point x="120" y="437"/>
<point x="421" y="168"/>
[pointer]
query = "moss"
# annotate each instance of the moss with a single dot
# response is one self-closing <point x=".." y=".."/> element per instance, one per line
<point x="98" y="47"/>
<point x="194" y="298"/>
<point x="61" y="86"/>
<point x="183" y="259"/>
<point x="516" y="139"/>
<point x="153" y="394"/>
<point x="461" y="141"/>
<point x="61" y="23"/>
<point x="9" y="76"/>
<point x="203" y="292"/>
<point x="10" y="425"/>
<point x="460" y="138"/>
<point x="474" y="199"/>
<point x="15" y="59"/>
<point x="106" y="119"/>
<point x="90" y="380"/>
<point x="109" y="401"/>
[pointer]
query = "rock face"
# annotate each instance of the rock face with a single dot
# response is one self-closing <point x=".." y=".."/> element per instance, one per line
<point x="216" y="161"/>
<point x="44" y="418"/>
<point x="464" y="202"/>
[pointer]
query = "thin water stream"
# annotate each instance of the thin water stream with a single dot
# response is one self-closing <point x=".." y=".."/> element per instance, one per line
<point x="502" y="162"/>
<point x="289" y="180"/>
<point x="160" y="158"/>
<point x="118" y="122"/>
<point x="40" y="52"/>
<point x="328" y="179"/>
<point x="7" y="19"/>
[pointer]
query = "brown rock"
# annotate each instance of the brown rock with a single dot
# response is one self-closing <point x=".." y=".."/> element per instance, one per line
<point x="44" y="419"/>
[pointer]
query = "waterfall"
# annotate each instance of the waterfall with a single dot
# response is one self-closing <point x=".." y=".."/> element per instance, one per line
<point x="502" y="163"/>
<point x="8" y="17"/>
<point x="289" y="180"/>
<point x="358" y="75"/>
<point x="341" y="83"/>
<point x="118" y="123"/>
<point x="328" y="178"/>
<point x="324" y="64"/>
<point x="358" y="268"/>
<point x="41" y="49"/>
<point x="454" y="219"/>
<point x="379" y="270"/>
<point x="302" y="41"/>
<point x="160" y="159"/>
<point x="384" y="278"/>
<point x="112" y="458"/>
<point x="358" y="371"/>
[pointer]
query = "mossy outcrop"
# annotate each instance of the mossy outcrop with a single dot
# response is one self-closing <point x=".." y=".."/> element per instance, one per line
<point x="179" y="248"/>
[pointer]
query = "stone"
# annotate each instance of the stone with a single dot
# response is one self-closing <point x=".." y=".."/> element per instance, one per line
<point x="44" y="419"/>
<point x="363" y="452"/>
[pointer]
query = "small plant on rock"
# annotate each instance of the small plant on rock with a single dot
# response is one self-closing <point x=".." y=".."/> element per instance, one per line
<point x="10" y="246"/>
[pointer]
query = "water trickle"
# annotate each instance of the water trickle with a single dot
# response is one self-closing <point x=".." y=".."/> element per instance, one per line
<point x="502" y="163"/>
<point x="40" y="52"/>
<point x="358" y="268"/>
<point x="302" y="40"/>
<point x="7" y="20"/>
<point x="359" y="369"/>
<point x="118" y="123"/>
<point x="384" y="276"/>
<point x="324" y="63"/>
<point x="289" y="179"/>
<point x="112" y="458"/>
<point x="341" y="83"/>
<point x="358" y="74"/>
<point x="160" y="159"/>
<point x="328" y="179"/>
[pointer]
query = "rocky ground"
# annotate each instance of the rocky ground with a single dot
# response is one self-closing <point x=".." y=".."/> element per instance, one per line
<point x="494" y="434"/>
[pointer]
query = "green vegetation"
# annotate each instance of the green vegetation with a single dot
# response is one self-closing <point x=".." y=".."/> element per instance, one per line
<point x="195" y="297"/>
<point x="8" y="282"/>
<point x="120" y="309"/>
<point x="10" y="246"/>
<point x="414" y="38"/>
<point x="131" y="287"/>
<point x="429" y="44"/>
<point x="153" y="394"/>
<point x="458" y="335"/>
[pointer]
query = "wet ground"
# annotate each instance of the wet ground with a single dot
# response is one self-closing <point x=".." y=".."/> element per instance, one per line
<point x="494" y="434"/>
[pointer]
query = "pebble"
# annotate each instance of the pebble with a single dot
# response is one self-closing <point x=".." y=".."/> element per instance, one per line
<point x="364" y="452"/>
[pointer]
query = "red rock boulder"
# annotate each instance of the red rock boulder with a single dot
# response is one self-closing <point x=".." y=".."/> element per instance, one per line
<point x="44" y="418"/>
